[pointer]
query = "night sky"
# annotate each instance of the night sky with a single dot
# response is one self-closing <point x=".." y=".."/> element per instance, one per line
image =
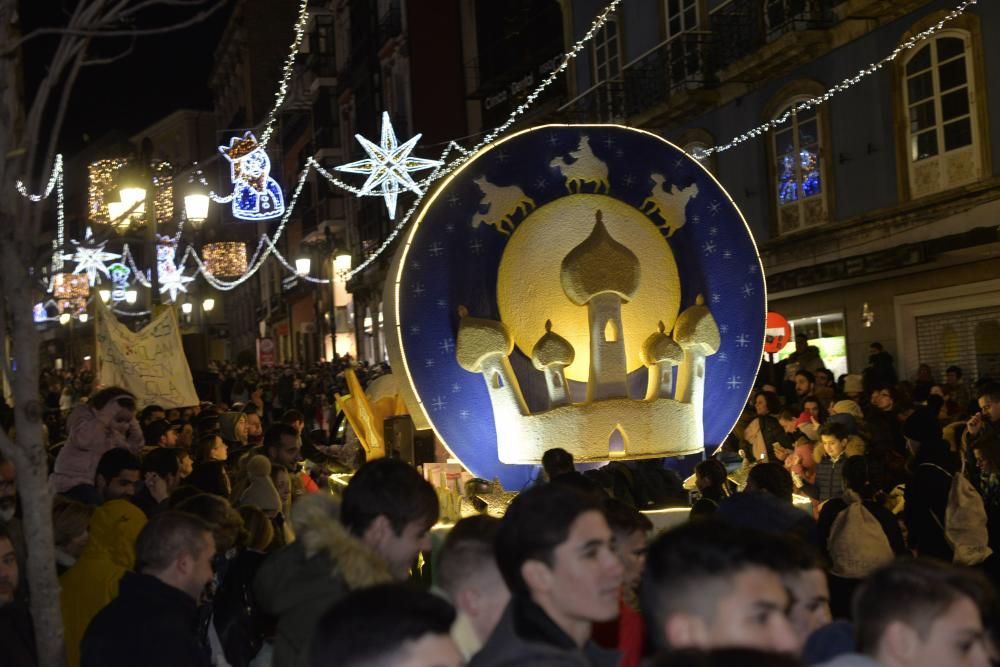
<point x="161" y="74"/>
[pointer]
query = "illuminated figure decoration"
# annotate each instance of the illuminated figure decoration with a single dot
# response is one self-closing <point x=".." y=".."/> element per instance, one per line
<point x="609" y="300"/>
<point x="389" y="165"/>
<point x="90" y="257"/>
<point x="119" y="281"/>
<point x="39" y="314"/>
<point x="256" y="196"/>
<point x="171" y="278"/>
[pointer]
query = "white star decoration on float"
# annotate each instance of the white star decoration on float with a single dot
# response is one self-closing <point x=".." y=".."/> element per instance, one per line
<point x="389" y="166"/>
<point x="91" y="258"/>
<point x="174" y="281"/>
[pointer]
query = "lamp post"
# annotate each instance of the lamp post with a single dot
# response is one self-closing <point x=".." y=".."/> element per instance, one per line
<point x="137" y="189"/>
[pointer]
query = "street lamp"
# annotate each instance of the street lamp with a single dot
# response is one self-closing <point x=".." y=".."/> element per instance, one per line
<point x="131" y="296"/>
<point x="83" y="317"/>
<point x="208" y="304"/>
<point x="187" y="307"/>
<point x="302" y="266"/>
<point x="105" y="295"/>
<point x="65" y="318"/>
<point x="196" y="203"/>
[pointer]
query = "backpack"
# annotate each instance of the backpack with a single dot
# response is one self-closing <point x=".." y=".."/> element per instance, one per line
<point x="964" y="521"/>
<point x="857" y="543"/>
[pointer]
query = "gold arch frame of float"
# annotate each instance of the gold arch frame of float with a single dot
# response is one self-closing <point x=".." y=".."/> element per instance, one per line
<point x="394" y="342"/>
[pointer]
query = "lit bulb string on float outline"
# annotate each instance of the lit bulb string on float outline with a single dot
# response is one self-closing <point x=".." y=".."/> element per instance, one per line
<point x="55" y="178"/>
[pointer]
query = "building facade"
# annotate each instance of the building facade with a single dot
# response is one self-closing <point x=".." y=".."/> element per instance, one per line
<point x="875" y="213"/>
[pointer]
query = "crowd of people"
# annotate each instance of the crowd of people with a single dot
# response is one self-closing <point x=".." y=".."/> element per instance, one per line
<point x="845" y="522"/>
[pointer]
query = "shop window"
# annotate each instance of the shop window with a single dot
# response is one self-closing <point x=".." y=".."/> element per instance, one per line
<point x="828" y="333"/>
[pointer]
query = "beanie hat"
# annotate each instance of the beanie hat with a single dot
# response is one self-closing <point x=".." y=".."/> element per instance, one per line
<point x="848" y="408"/>
<point x="260" y="492"/>
<point x="922" y="426"/>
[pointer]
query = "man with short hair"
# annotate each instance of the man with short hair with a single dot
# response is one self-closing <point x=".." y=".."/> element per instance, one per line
<point x="555" y="551"/>
<point x="160" y="433"/>
<point x="805" y="385"/>
<point x="557" y="461"/>
<point x="160" y="476"/>
<point x="986" y="422"/>
<point x="467" y="573"/>
<point x="708" y="585"/>
<point x="17" y="634"/>
<point x="282" y="446"/>
<point x="118" y="474"/>
<point x="153" y="620"/>
<point x="391" y="625"/>
<point x="385" y="517"/>
<point x="151" y="413"/>
<point x="920" y="613"/>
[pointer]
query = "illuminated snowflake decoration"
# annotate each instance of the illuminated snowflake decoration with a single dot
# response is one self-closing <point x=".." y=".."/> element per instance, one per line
<point x="389" y="166"/>
<point x="90" y="257"/>
<point x="173" y="282"/>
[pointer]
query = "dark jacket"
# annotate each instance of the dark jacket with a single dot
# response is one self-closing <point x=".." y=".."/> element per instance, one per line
<point x="527" y="637"/>
<point x="144" y="500"/>
<point x="299" y="582"/>
<point x="17" y="636"/>
<point x="829" y="479"/>
<point x="924" y="510"/>
<point x="239" y="622"/>
<point x="150" y="623"/>
<point x="759" y="510"/>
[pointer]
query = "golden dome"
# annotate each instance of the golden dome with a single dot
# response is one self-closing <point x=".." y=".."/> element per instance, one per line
<point x="599" y="264"/>
<point x="479" y="339"/>
<point x="695" y="326"/>
<point x="661" y="347"/>
<point x="552" y="350"/>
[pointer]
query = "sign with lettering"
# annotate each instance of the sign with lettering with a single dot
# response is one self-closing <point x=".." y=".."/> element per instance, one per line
<point x="150" y="363"/>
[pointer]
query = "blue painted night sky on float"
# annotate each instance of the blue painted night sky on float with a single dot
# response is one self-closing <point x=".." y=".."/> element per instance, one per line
<point x="453" y="259"/>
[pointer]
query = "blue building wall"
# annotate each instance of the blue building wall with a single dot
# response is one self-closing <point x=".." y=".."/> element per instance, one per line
<point x="862" y="165"/>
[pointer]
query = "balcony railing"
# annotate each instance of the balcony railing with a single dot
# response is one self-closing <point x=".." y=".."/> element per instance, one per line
<point x="747" y="25"/>
<point x="688" y="60"/>
<point x="603" y="103"/>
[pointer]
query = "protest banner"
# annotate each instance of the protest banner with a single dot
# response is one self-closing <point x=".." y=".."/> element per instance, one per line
<point x="150" y="363"/>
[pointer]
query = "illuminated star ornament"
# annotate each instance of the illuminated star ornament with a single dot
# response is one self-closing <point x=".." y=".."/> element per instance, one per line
<point x="389" y="166"/>
<point x="174" y="281"/>
<point x="90" y="257"/>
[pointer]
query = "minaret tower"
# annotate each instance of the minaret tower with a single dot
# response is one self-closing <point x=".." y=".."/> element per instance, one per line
<point x="551" y="355"/>
<point x="602" y="274"/>
<point x="661" y="353"/>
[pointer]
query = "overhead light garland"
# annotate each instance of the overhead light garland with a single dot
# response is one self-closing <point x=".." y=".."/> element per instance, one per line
<point x="266" y="245"/>
<point x="227" y="259"/>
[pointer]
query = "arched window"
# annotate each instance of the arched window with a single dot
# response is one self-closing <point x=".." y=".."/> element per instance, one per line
<point x="942" y="131"/>
<point x="799" y="179"/>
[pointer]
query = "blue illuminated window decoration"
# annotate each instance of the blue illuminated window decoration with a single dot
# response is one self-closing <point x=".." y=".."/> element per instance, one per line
<point x="803" y="172"/>
<point x="256" y="196"/>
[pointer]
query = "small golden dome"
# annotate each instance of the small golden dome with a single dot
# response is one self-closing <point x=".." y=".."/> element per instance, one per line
<point x="661" y="347"/>
<point x="479" y="339"/>
<point x="599" y="264"/>
<point x="552" y="350"/>
<point x="696" y="327"/>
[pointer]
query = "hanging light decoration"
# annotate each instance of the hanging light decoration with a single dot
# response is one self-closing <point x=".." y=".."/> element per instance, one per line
<point x="70" y="286"/>
<point x="225" y="258"/>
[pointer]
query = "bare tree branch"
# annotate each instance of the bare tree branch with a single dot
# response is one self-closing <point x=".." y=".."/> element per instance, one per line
<point x="112" y="59"/>
<point x="87" y="31"/>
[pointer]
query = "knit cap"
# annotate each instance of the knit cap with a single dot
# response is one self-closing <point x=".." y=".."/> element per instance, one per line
<point x="261" y="492"/>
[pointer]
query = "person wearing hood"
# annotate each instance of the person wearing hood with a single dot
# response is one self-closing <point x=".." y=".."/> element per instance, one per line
<point x="385" y="519"/>
<point x="932" y="467"/>
<point x="106" y="421"/>
<point x="92" y="582"/>
<point x="233" y="430"/>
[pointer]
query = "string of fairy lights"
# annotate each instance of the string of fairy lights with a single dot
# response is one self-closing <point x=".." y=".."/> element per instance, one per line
<point x="388" y="168"/>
